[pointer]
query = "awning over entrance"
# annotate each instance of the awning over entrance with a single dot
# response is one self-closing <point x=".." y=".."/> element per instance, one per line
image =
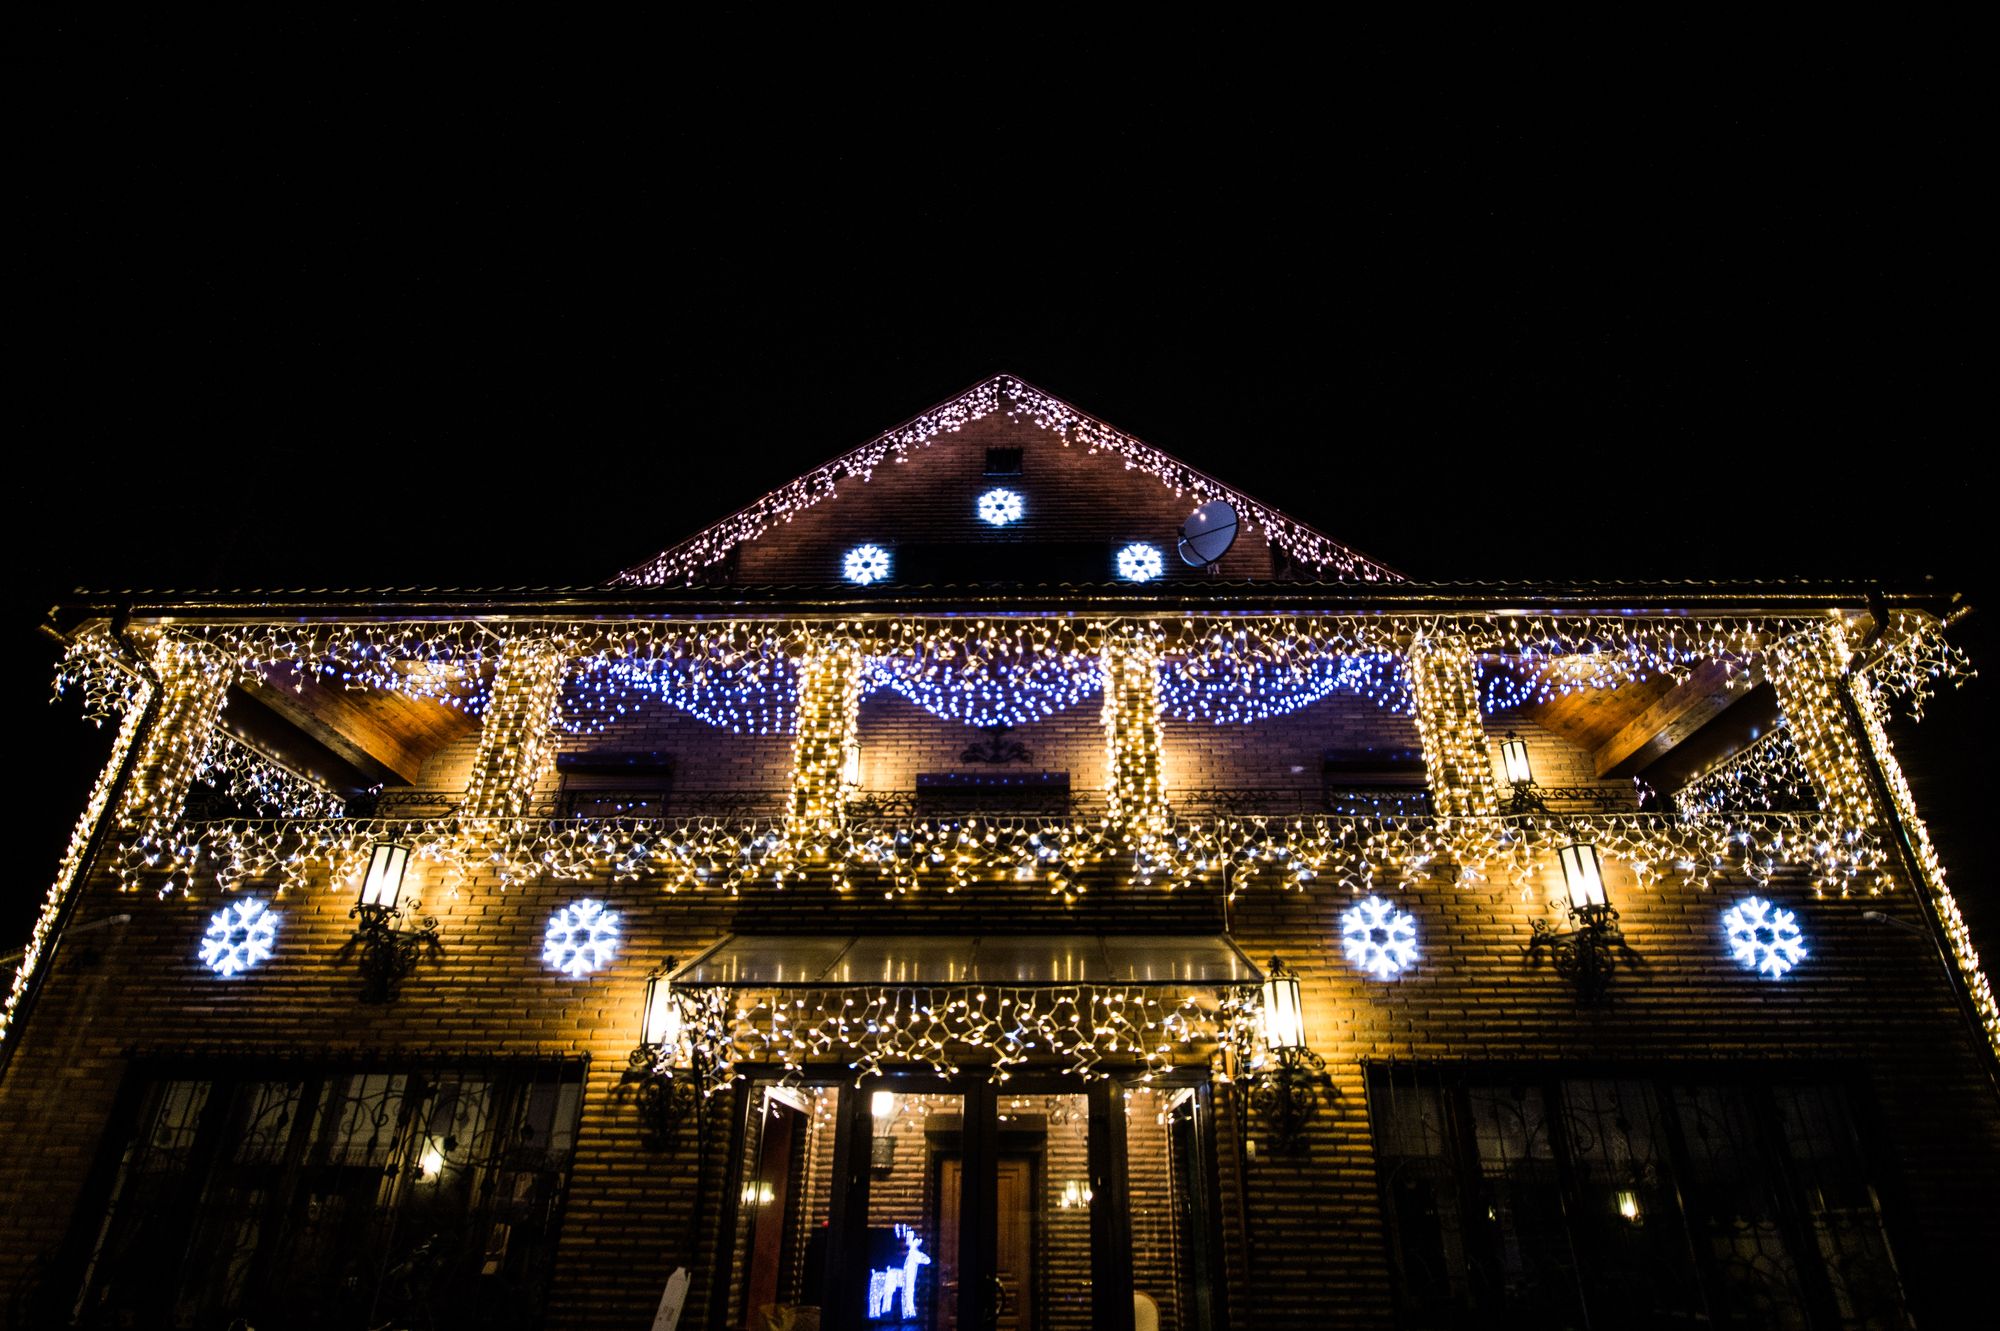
<point x="816" y="961"/>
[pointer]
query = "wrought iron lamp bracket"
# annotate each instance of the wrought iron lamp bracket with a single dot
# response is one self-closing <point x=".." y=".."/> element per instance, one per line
<point x="1287" y="1095"/>
<point x="388" y="951"/>
<point x="1587" y="953"/>
<point x="666" y="1097"/>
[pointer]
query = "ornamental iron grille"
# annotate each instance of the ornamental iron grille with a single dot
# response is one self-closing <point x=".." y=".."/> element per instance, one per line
<point x="314" y="1195"/>
<point x="1628" y="1200"/>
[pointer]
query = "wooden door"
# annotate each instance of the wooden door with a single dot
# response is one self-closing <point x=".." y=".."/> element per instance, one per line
<point x="1014" y="1240"/>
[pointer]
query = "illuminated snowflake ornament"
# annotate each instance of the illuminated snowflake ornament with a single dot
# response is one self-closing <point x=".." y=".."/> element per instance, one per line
<point x="239" y="936"/>
<point x="1763" y="937"/>
<point x="580" y="938"/>
<point x="1000" y="507"/>
<point x="1139" y="562"/>
<point x="1379" y="938"/>
<point x="865" y="564"/>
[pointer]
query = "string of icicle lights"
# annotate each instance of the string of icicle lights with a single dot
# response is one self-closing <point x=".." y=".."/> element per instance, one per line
<point x="1003" y="393"/>
<point x="1001" y="1028"/>
<point x="740" y="675"/>
<point x="1063" y="858"/>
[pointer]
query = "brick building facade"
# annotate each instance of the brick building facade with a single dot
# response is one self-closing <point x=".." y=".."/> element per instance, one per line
<point x="959" y="865"/>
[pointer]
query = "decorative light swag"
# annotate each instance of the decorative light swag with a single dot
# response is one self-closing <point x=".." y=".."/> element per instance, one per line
<point x="388" y="952"/>
<point x="1285" y="1086"/>
<point x="1587" y="952"/>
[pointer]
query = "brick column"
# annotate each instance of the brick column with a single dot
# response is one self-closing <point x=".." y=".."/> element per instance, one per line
<point x="1138" y="802"/>
<point x="829" y="709"/>
<point x="517" y="744"/>
<point x="1809" y="673"/>
<point x="1444" y="684"/>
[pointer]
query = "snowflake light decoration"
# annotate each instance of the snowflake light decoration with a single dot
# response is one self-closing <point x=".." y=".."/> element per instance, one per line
<point x="239" y="936"/>
<point x="580" y="938"/>
<point x="1139" y="562"/>
<point x="1000" y="507"/>
<point x="865" y="564"/>
<point x="1763" y="937"/>
<point x="1379" y="938"/>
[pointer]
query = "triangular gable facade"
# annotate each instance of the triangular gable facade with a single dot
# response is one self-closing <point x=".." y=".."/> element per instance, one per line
<point x="1074" y="492"/>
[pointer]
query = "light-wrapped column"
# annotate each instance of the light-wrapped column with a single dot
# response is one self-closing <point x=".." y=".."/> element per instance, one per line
<point x="66" y="882"/>
<point x="1444" y="685"/>
<point x="829" y="710"/>
<point x="517" y="739"/>
<point x="194" y="682"/>
<point x="1929" y="867"/>
<point x="1808" y="671"/>
<point x="1138" y="801"/>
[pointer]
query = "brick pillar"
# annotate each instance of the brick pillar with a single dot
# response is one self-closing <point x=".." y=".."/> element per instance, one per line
<point x="1444" y="684"/>
<point x="1138" y="802"/>
<point x="517" y="739"/>
<point x="1808" y="672"/>
<point x="829" y="709"/>
<point x="194" y="682"/>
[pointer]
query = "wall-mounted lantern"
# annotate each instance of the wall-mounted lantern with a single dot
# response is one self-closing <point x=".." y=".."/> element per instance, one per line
<point x="659" y="1068"/>
<point x="1285" y="1092"/>
<point x="882" y="1144"/>
<point x="1586" y="953"/>
<point x="1524" y="796"/>
<point x="388" y="951"/>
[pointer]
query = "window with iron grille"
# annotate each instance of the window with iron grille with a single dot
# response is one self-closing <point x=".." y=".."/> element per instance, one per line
<point x="1628" y="1200"/>
<point x="316" y="1195"/>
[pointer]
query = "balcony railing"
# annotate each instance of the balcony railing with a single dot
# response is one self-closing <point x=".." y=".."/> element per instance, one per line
<point x="874" y="806"/>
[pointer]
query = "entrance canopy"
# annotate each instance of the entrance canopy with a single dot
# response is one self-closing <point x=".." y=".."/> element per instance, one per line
<point x="817" y="961"/>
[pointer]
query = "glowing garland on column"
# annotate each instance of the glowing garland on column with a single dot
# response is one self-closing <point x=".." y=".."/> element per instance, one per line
<point x="829" y="709"/>
<point x="72" y="861"/>
<point x="194" y="684"/>
<point x="1444" y="685"/>
<point x="1929" y="866"/>
<point x="1808" y="671"/>
<point x="1138" y="803"/>
<point x="517" y="747"/>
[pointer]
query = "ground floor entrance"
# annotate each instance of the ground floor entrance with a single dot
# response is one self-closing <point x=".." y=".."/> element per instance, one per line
<point x="925" y="1203"/>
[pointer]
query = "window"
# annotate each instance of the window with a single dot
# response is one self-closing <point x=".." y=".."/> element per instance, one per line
<point x="1003" y="462"/>
<point x="1628" y="1200"/>
<point x="307" y="1196"/>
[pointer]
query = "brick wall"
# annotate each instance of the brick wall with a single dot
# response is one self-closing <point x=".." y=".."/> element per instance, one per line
<point x="1072" y="496"/>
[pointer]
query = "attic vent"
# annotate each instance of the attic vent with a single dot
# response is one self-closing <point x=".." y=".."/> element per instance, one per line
<point x="1003" y="462"/>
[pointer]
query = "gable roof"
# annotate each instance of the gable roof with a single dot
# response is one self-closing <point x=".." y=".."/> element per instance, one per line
<point x="1310" y="549"/>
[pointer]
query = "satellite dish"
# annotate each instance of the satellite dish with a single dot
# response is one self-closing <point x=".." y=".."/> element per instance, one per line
<point x="1208" y="533"/>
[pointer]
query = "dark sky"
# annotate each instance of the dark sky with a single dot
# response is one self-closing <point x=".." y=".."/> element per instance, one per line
<point x="356" y="320"/>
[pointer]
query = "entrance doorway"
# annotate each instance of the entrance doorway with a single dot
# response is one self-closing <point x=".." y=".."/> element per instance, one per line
<point x="946" y="1204"/>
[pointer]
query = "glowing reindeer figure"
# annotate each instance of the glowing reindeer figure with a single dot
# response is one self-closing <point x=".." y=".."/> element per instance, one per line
<point x="889" y="1285"/>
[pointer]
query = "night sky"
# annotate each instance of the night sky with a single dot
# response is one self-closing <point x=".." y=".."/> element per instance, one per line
<point x="361" y="324"/>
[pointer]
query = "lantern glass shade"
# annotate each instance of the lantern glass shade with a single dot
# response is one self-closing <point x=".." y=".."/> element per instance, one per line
<point x="1583" y="875"/>
<point x="662" y="1026"/>
<point x="1284" y="1020"/>
<point x="387" y="864"/>
<point x="883" y="1106"/>
<point x="1514" y="755"/>
<point x="850" y="766"/>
